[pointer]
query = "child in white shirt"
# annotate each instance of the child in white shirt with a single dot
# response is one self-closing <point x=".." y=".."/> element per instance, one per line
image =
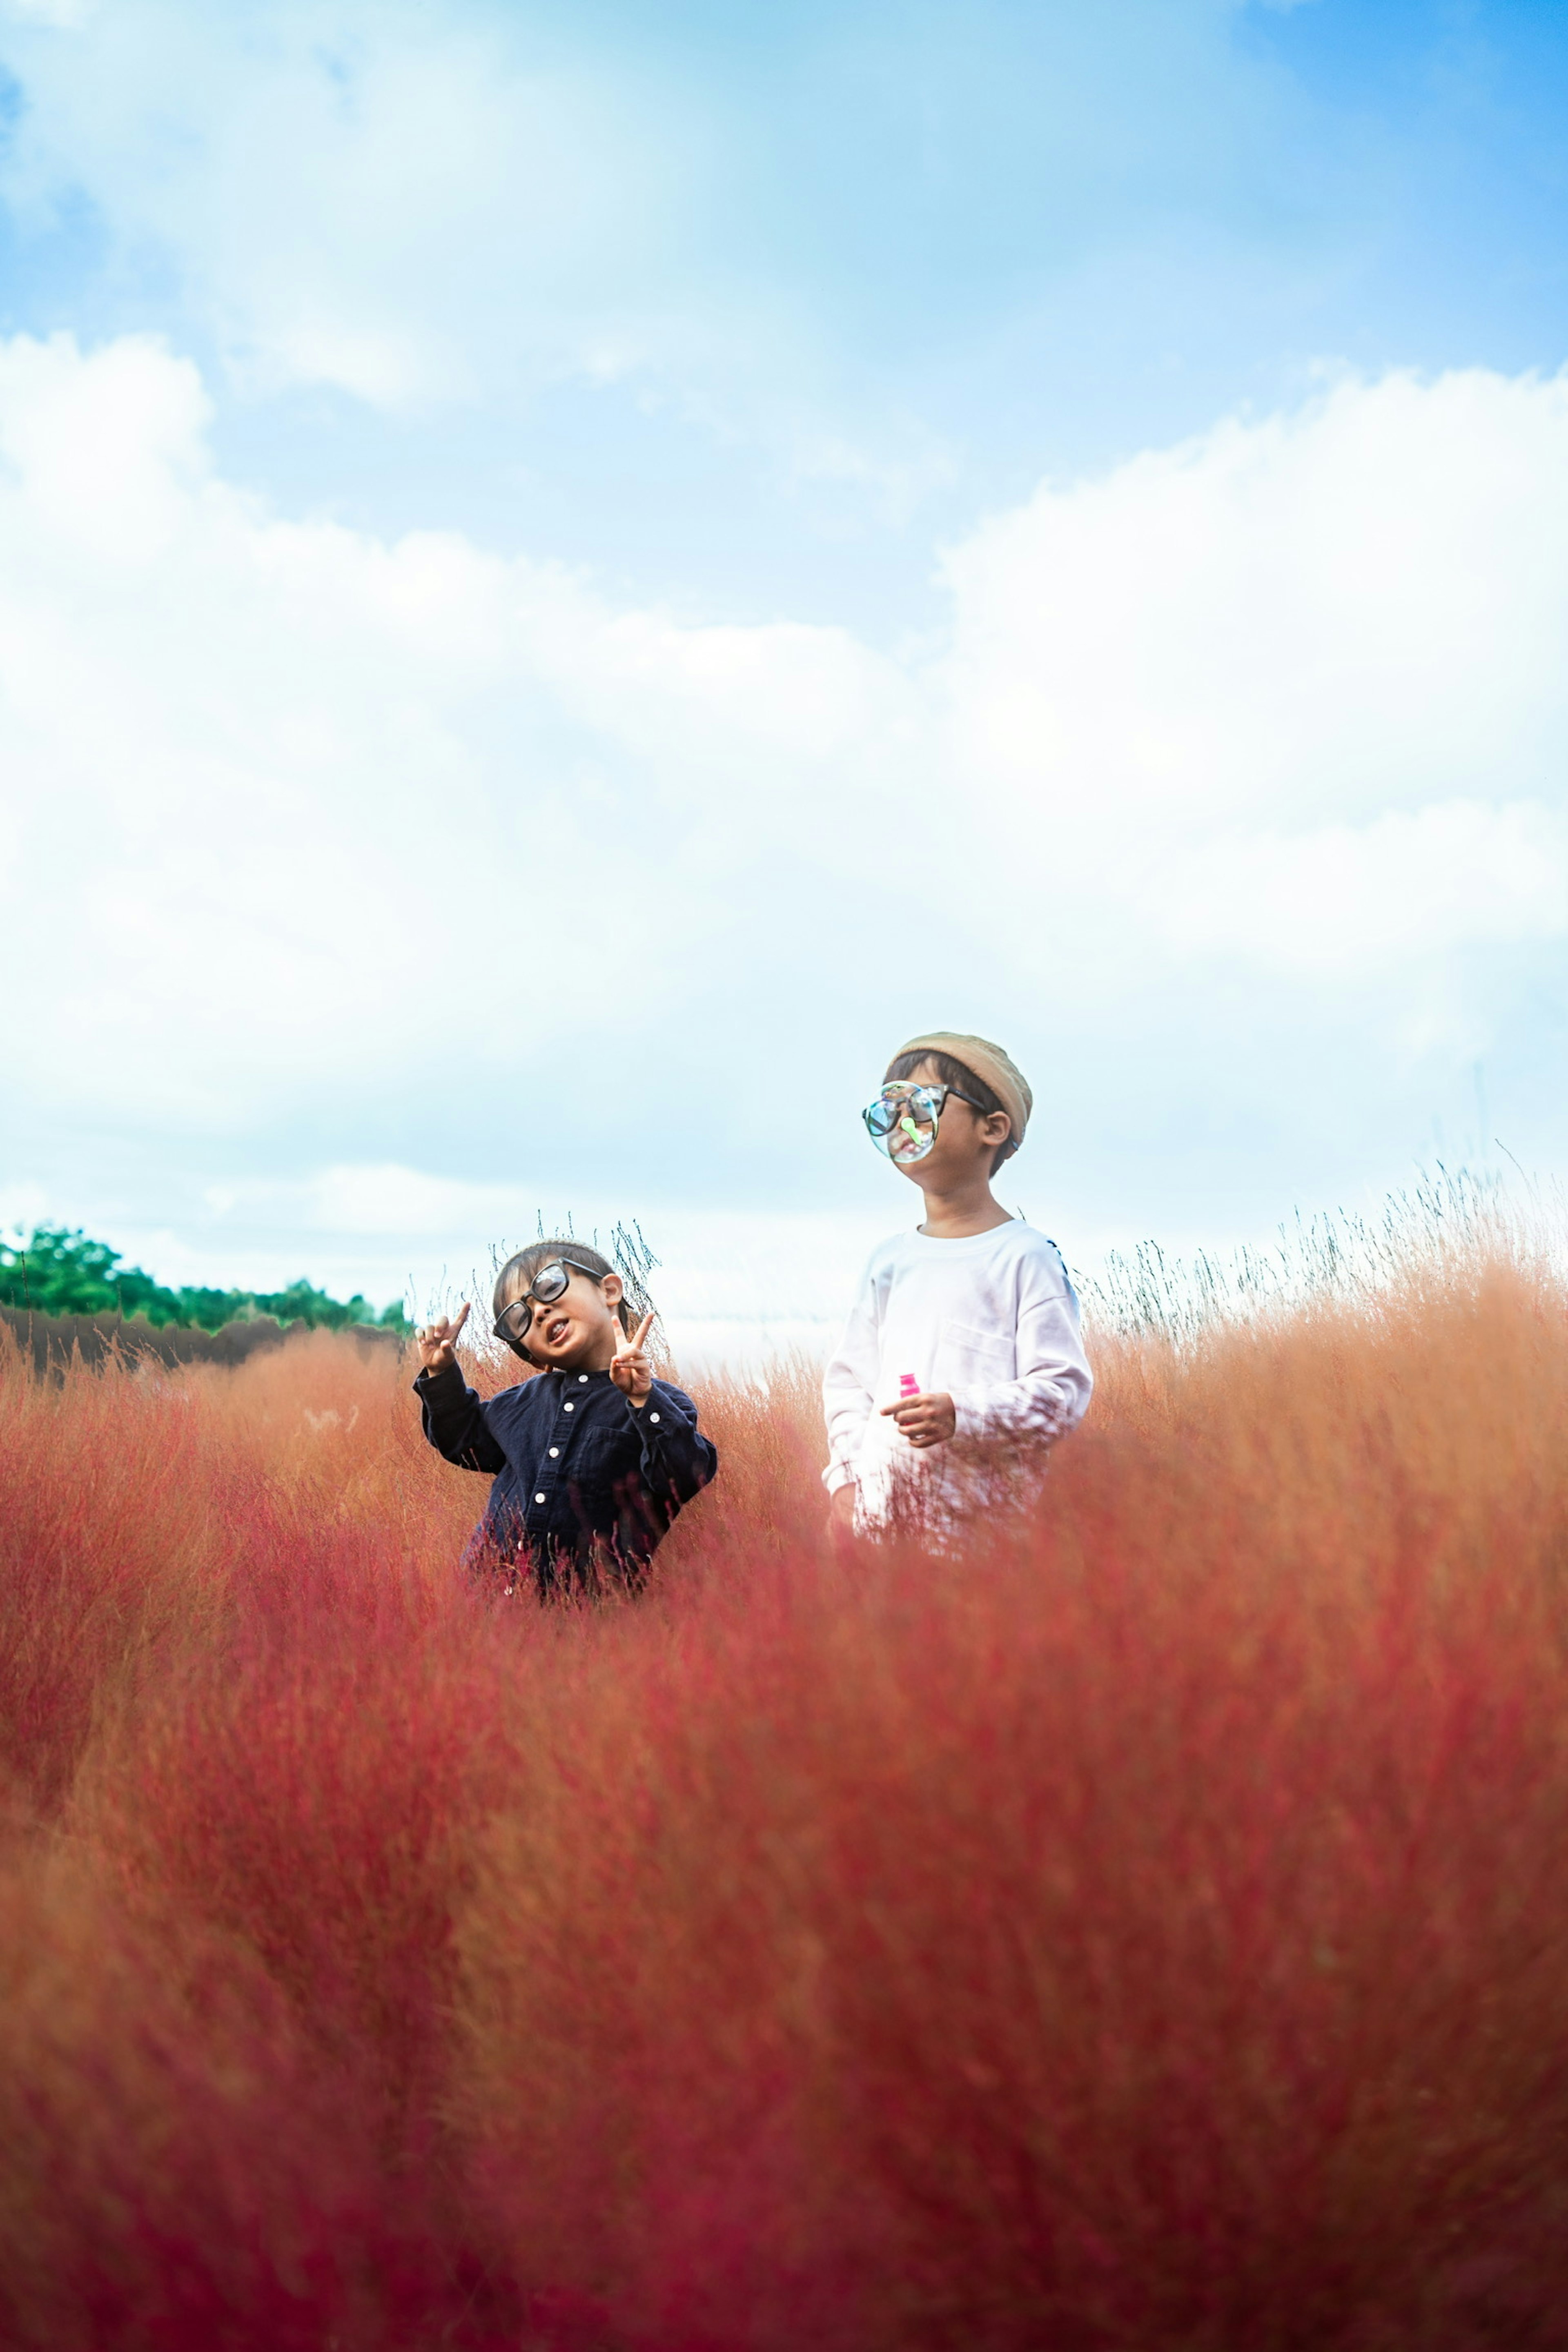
<point x="968" y="1326"/>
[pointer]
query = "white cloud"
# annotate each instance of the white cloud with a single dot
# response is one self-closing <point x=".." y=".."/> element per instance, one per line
<point x="1233" y="662"/>
<point x="107" y="454"/>
<point x="302" y="824"/>
<point x="1349" y="606"/>
<point x="1348" y="899"/>
<point x="386" y="200"/>
<point x="753" y="224"/>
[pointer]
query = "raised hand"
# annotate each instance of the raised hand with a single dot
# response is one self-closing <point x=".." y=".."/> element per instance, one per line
<point x="929" y="1419"/>
<point x="630" y="1367"/>
<point x="438" y="1343"/>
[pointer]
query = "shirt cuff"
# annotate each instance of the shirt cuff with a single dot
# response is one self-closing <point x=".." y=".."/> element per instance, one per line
<point x="427" y="1383"/>
<point x="652" y="1419"/>
<point x="970" y="1419"/>
<point x="839" y="1474"/>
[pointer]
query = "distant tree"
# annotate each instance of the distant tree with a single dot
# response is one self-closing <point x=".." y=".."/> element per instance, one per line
<point x="62" y="1270"/>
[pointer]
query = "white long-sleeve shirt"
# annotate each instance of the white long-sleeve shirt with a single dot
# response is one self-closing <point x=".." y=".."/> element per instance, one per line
<point x="991" y="1319"/>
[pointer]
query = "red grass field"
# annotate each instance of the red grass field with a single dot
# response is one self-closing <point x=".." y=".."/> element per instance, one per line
<point x="1144" y="1928"/>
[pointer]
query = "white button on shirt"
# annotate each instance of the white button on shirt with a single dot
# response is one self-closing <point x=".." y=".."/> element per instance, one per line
<point x="554" y="1451"/>
<point x="539" y="1498"/>
<point x="567" y="1408"/>
<point x="582" y="1377"/>
<point x="653" y="1416"/>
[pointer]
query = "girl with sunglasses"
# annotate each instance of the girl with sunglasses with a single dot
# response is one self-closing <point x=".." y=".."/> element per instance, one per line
<point x="593" y="1459"/>
<point x="966" y="1327"/>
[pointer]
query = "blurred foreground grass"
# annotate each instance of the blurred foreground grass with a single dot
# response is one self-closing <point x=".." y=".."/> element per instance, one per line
<point x="1142" y="1926"/>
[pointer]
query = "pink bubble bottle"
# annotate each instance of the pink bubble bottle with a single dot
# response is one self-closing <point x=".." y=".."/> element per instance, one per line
<point x="908" y="1387"/>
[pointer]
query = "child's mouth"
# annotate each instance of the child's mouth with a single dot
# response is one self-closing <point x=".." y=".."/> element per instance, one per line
<point x="556" y="1330"/>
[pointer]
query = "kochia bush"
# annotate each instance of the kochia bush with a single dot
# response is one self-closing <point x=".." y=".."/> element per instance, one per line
<point x="1139" y="1925"/>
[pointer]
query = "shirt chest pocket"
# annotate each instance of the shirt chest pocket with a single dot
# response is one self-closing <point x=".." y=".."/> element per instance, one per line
<point x="970" y="1357"/>
<point x="591" y="1454"/>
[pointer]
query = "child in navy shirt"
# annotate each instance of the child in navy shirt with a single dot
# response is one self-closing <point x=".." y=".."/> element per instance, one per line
<point x="593" y="1458"/>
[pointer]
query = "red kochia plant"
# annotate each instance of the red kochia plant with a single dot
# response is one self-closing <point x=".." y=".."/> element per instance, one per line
<point x="180" y="2170"/>
<point x="1135" y="1922"/>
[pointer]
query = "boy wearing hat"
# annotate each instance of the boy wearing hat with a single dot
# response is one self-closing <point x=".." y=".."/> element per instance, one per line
<point x="968" y="1326"/>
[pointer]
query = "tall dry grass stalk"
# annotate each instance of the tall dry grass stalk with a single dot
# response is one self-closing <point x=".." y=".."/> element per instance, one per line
<point x="1141" y="1925"/>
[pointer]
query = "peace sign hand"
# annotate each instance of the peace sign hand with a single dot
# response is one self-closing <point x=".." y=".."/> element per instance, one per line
<point x="629" y="1369"/>
<point x="438" y="1342"/>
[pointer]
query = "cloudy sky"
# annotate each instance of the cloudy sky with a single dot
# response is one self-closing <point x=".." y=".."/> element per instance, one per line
<point x="571" y="574"/>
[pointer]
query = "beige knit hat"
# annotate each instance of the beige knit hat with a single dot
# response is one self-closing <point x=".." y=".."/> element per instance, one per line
<point x="987" y="1061"/>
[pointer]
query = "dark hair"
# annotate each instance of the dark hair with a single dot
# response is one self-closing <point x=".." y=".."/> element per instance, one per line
<point x="524" y="1264"/>
<point x="951" y="1072"/>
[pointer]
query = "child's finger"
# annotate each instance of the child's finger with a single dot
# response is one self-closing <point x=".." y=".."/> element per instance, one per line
<point x="453" y="1328"/>
<point x="639" y="1337"/>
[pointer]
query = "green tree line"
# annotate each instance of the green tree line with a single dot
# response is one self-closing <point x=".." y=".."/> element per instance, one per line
<point x="59" y="1272"/>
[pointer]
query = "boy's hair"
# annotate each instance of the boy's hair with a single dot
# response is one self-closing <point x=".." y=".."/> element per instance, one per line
<point x="524" y="1264"/>
<point x="951" y="1072"/>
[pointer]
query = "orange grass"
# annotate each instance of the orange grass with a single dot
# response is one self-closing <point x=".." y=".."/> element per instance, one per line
<point x="1141" y="1925"/>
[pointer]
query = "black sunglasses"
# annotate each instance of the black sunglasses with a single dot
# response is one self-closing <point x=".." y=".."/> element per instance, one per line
<point x="546" y="1287"/>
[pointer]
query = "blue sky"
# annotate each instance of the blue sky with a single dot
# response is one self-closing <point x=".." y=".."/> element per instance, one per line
<point x="801" y="289"/>
<point x="568" y="575"/>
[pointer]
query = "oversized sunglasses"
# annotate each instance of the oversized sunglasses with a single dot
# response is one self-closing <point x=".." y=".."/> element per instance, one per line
<point x="902" y="1121"/>
<point x="546" y="1286"/>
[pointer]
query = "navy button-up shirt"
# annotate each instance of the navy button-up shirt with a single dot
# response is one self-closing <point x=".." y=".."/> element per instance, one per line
<point x="578" y="1470"/>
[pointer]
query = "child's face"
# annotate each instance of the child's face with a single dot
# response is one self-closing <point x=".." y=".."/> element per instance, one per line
<point x="580" y="1330"/>
<point x="966" y="1141"/>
